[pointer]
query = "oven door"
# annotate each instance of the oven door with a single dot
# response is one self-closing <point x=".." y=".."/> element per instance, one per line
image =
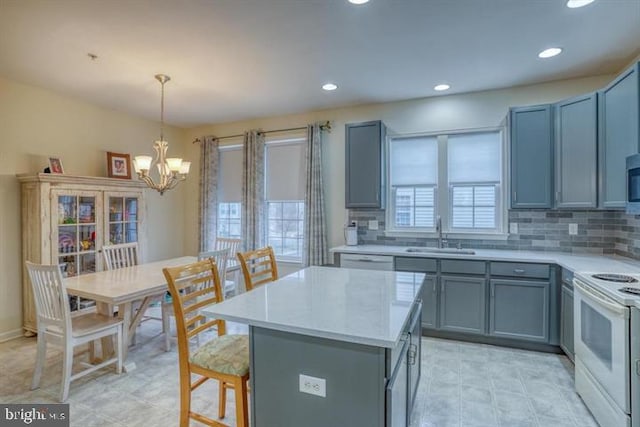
<point x="602" y="341"/>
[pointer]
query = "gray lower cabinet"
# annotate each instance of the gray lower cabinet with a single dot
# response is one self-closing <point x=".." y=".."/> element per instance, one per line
<point x="576" y="141"/>
<point x="430" y="302"/>
<point x="531" y="157"/>
<point x="519" y="309"/>
<point x="429" y="289"/>
<point x="619" y="136"/>
<point x="364" y="161"/>
<point x="566" y="320"/>
<point x="462" y="304"/>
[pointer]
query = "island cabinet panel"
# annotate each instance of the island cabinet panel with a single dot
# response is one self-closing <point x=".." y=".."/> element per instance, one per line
<point x="619" y="134"/>
<point x="531" y="157"/>
<point x="462" y="304"/>
<point x="398" y="392"/>
<point x="364" y="165"/>
<point x="354" y="375"/>
<point x="519" y="309"/>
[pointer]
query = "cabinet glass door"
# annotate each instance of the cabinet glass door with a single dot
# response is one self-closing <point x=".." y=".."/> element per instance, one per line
<point x="124" y="220"/>
<point x="74" y="224"/>
<point x="76" y="234"/>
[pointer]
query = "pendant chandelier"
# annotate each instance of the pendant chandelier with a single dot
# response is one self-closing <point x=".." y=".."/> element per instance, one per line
<point x="170" y="170"/>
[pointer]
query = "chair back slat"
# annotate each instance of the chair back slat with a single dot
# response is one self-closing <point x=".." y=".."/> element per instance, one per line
<point x="120" y="256"/>
<point x="258" y="267"/>
<point x="192" y="287"/>
<point x="50" y="295"/>
<point x="221" y="257"/>
<point x="233" y="245"/>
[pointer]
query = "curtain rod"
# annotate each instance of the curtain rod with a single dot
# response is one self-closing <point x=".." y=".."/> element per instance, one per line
<point x="326" y="126"/>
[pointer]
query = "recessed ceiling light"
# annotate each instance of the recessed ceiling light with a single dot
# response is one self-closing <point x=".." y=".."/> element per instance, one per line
<point x="548" y="53"/>
<point x="441" y="87"/>
<point x="329" y="86"/>
<point x="358" y="1"/>
<point x="578" y="3"/>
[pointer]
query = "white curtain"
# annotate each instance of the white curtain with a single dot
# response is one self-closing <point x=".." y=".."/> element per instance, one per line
<point x="209" y="159"/>
<point x="253" y="214"/>
<point x="315" y="223"/>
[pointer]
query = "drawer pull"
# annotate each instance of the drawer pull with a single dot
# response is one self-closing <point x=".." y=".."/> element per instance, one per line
<point x="518" y="270"/>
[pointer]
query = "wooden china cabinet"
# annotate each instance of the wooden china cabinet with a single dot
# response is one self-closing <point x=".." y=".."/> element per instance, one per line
<point x="67" y="219"/>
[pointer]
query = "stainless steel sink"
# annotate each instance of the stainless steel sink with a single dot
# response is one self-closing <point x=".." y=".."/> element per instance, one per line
<point x="442" y="251"/>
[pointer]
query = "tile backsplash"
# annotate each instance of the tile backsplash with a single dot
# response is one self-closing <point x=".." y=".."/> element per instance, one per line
<point x="599" y="232"/>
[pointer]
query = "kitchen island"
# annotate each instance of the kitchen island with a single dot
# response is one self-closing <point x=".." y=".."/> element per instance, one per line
<point x="332" y="347"/>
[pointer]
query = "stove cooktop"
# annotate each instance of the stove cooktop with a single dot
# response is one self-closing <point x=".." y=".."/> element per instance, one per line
<point x="619" y="278"/>
<point x="622" y="288"/>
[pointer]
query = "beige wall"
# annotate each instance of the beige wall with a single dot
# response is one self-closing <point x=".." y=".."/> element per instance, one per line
<point x="36" y="124"/>
<point x="464" y="111"/>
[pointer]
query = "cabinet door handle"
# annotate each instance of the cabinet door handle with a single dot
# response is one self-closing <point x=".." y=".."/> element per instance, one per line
<point x="514" y="196"/>
<point x="493" y="291"/>
<point x="638" y="367"/>
<point x="518" y="270"/>
<point x="434" y="286"/>
<point x="413" y="352"/>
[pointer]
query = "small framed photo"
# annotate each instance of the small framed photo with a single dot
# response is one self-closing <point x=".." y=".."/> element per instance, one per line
<point x="55" y="165"/>
<point x="119" y="165"/>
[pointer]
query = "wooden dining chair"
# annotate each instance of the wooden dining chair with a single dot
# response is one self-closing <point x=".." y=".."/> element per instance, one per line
<point x="221" y="258"/>
<point x="126" y="255"/>
<point x="258" y="267"/>
<point x="233" y="269"/>
<point x="58" y="327"/>
<point x="224" y="358"/>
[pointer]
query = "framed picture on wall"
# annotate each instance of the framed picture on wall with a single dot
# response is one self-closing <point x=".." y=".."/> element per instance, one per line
<point x="55" y="165"/>
<point x="119" y="165"/>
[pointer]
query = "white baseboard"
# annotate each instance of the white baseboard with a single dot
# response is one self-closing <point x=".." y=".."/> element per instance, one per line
<point x="11" y="335"/>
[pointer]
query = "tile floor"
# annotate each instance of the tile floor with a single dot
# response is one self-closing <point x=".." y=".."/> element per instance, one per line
<point x="462" y="385"/>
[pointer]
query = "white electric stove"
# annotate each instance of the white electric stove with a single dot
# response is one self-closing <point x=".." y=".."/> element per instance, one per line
<point x="607" y="350"/>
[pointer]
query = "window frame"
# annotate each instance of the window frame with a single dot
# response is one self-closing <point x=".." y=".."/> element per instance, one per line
<point x="497" y="207"/>
<point x="300" y="220"/>
<point x="444" y="199"/>
<point x="228" y="219"/>
<point x="393" y="211"/>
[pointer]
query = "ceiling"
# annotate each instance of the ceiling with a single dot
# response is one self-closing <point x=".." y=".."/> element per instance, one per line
<point x="239" y="59"/>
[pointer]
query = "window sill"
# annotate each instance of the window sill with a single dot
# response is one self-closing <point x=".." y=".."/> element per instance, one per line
<point x="461" y="236"/>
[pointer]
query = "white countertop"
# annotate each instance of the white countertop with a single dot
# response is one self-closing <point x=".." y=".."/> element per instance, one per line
<point x="359" y="306"/>
<point x="574" y="262"/>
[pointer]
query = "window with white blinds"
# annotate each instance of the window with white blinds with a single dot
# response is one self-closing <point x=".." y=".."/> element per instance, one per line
<point x="474" y="171"/>
<point x="469" y="165"/>
<point x="413" y="182"/>
<point x="285" y="179"/>
<point x="230" y="192"/>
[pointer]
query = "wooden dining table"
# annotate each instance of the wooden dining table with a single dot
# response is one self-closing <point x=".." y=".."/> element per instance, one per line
<point x="123" y="287"/>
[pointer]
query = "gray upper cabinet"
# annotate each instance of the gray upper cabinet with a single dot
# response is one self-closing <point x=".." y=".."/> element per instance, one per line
<point x="531" y="157"/>
<point x="519" y="309"/>
<point x="364" y="168"/>
<point x="462" y="304"/>
<point x="619" y="135"/>
<point x="576" y="141"/>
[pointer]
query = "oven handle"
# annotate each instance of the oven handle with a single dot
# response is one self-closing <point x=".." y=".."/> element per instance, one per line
<point x="595" y="297"/>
